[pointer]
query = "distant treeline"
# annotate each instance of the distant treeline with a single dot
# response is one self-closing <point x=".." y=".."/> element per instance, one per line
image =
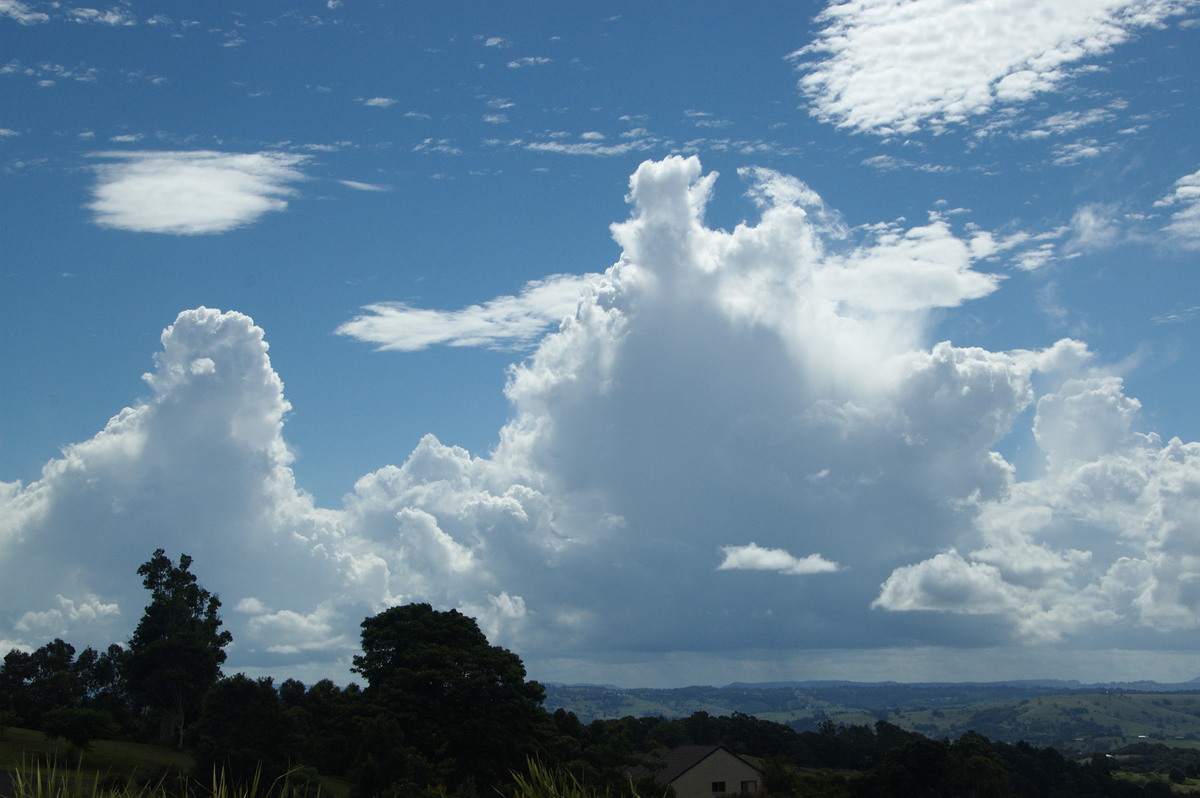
<point x="445" y="713"/>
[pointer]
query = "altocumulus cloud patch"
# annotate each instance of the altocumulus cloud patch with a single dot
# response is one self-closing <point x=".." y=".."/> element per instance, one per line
<point x="734" y="440"/>
<point x="190" y="193"/>
<point x="884" y="67"/>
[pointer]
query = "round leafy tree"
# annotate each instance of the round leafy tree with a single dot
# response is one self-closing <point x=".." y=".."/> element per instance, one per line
<point x="461" y="706"/>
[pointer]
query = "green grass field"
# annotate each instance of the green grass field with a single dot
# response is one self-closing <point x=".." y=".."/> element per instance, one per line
<point x="20" y="747"/>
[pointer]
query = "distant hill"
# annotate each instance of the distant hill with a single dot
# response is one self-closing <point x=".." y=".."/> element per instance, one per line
<point x="1050" y="684"/>
<point x="1065" y="714"/>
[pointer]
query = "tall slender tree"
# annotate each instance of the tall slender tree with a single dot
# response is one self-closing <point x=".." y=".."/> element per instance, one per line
<point x="176" y="652"/>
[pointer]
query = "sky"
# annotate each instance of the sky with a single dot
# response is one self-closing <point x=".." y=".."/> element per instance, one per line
<point x="677" y="343"/>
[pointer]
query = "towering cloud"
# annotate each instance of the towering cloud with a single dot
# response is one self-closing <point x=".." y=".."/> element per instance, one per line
<point x="736" y="440"/>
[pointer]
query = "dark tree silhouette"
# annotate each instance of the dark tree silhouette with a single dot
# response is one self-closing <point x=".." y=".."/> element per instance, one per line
<point x="176" y="652"/>
<point x="453" y="701"/>
<point x="79" y="726"/>
<point x="242" y="731"/>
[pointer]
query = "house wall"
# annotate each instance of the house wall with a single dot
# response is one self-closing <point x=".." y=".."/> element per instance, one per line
<point x="721" y="765"/>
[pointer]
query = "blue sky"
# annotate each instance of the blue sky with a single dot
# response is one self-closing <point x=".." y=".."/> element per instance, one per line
<point x="678" y="343"/>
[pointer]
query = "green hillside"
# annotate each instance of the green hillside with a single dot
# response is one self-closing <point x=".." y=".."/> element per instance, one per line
<point x="1071" y="719"/>
<point x="1096" y="721"/>
<point x="24" y="747"/>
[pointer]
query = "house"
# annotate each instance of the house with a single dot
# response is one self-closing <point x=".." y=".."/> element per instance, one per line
<point x="701" y="771"/>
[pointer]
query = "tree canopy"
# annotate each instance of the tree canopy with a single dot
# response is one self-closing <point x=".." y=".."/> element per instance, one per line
<point x="460" y="706"/>
<point x="177" y="649"/>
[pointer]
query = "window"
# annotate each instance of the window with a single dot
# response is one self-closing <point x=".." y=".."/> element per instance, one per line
<point x="718" y="787"/>
<point x="750" y="786"/>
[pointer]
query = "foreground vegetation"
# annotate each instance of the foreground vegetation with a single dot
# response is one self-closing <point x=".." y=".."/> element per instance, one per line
<point x="841" y="761"/>
<point x="445" y="714"/>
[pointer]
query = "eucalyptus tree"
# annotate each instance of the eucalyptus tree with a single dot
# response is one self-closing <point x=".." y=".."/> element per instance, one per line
<point x="177" y="649"/>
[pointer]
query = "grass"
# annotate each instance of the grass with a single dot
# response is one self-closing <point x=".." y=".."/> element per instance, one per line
<point x="47" y="780"/>
<point x="541" y="781"/>
<point x="46" y="768"/>
<point x="20" y="747"/>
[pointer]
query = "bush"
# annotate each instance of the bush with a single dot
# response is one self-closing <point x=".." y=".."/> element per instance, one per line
<point x="78" y="726"/>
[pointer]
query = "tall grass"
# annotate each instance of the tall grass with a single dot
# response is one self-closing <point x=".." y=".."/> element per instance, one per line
<point x="546" y="782"/>
<point x="46" y="779"/>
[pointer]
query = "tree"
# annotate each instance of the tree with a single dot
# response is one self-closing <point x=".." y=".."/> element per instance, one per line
<point x="100" y="675"/>
<point x="459" y="703"/>
<point x="326" y="719"/>
<point x="242" y="731"/>
<point x="176" y="651"/>
<point x="78" y="725"/>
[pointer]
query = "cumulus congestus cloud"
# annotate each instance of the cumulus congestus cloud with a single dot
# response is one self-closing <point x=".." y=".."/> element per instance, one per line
<point x="734" y="440"/>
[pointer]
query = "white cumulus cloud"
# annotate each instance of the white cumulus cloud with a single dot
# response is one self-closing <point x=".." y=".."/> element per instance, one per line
<point x="753" y="557"/>
<point x="886" y="67"/>
<point x="190" y="193"/>
<point x="20" y="12"/>
<point x="777" y="377"/>
<point x="501" y="322"/>
<point x="113" y="16"/>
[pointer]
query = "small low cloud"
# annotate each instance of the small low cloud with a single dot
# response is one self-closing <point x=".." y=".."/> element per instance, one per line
<point x="946" y="582"/>
<point x="443" y="146"/>
<point x="1076" y="152"/>
<point x="589" y="145"/>
<point x="503" y="322"/>
<point x="1094" y="226"/>
<point x="1184" y="226"/>
<point x="21" y="13"/>
<point x="1067" y="121"/>
<point x="57" y="620"/>
<point x="528" y="61"/>
<point x="357" y="186"/>
<point x="113" y="16"/>
<point x="190" y="193"/>
<point x="379" y="102"/>
<point x="753" y="557"/>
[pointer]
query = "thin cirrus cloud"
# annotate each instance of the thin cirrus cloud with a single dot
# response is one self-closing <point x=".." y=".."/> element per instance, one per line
<point x="590" y="146"/>
<point x="360" y="186"/>
<point x="1184" y="226"/>
<point x="503" y="322"/>
<point x="528" y="61"/>
<point x="190" y="193"/>
<point x="885" y="68"/>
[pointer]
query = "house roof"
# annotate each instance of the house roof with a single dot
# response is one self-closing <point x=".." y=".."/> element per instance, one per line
<point x="666" y="766"/>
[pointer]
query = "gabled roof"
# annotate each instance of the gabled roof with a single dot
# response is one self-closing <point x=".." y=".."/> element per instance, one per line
<point x="666" y="766"/>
